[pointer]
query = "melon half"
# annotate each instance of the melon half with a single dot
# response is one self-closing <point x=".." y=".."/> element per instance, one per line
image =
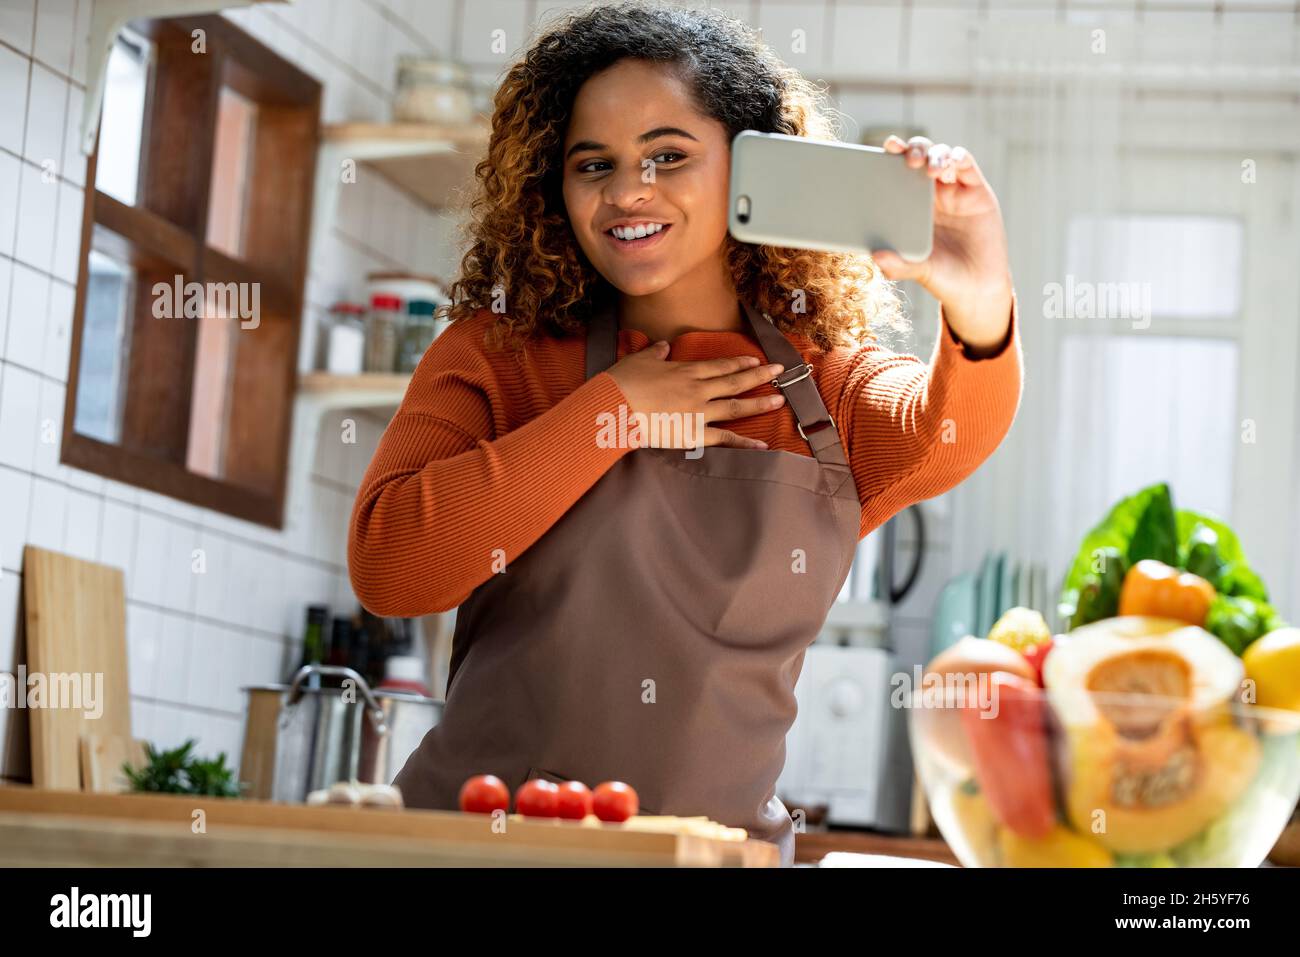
<point x="1150" y="752"/>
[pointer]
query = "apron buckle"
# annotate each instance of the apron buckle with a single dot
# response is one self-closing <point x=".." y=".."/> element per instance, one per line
<point x="800" y="372"/>
<point x="803" y="435"/>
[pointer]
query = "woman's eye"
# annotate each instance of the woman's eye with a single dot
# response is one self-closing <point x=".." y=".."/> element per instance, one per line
<point x="667" y="157"/>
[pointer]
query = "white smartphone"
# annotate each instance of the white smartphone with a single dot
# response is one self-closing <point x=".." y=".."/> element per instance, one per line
<point x="839" y="197"/>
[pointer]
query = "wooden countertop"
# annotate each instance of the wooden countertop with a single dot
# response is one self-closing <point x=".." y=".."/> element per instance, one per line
<point x="812" y="846"/>
<point x="65" y="828"/>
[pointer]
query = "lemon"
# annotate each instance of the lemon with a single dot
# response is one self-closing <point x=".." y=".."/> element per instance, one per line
<point x="1060" y="848"/>
<point x="1273" y="663"/>
<point x="1021" y="629"/>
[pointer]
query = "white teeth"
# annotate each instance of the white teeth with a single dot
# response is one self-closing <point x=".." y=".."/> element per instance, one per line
<point x="639" y="231"/>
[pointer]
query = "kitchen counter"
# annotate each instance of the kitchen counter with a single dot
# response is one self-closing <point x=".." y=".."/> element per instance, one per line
<point x="812" y="846"/>
<point x="64" y="828"/>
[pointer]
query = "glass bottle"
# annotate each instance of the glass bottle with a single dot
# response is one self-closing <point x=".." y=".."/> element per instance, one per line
<point x="383" y="328"/>
<point x="418" y="333"/>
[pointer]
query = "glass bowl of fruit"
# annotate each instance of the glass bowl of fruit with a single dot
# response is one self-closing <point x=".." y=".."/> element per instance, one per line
<point x="1131" y="742"/>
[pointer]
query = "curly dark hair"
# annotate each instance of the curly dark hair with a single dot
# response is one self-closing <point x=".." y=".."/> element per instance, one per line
<point x="521" y="246"/>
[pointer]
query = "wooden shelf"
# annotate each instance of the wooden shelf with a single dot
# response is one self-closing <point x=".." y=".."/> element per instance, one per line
<point x="430" y="162"/>
<point x="469" y="136"/>
<point x="361" y="391"/>
<point x="359" y="382"/>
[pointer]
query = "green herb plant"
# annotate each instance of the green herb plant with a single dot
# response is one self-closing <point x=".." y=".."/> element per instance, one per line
<point x="178" y="772"/>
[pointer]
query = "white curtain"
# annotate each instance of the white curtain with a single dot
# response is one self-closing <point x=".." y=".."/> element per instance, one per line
<point x="1049" y="140"/>
<point x="1103" y="184"/>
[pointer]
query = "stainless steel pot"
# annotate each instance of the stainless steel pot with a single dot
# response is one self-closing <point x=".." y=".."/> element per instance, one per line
<point x="299" y="738"/>
<point x="408" y="717"/>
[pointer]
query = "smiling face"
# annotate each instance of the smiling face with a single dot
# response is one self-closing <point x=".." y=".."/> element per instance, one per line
<point x="645" y="179"/>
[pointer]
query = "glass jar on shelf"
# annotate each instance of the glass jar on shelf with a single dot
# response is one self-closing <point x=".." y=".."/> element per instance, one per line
<point x="432" y="90"/>
<point x="417" y="334"/>
<point x="340" y="339"/>
<point x="383" y="333"/>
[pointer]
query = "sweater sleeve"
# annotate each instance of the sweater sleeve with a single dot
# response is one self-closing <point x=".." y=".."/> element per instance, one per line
<point x="446" y="500"/>
<point x="914" y="431"/>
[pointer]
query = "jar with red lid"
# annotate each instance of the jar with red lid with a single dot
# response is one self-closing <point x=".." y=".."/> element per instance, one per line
<point x="383" y="333"/>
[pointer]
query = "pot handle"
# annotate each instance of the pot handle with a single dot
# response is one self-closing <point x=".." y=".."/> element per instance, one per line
<point x="375" y="712"/>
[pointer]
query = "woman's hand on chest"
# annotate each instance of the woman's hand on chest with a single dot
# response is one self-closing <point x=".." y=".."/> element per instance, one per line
<point x="675" y="404"/>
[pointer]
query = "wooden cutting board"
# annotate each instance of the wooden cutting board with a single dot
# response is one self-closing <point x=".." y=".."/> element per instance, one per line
<point x="102" y="757"/>
<point x="101" y="829"/>
<point x="76" y="625"/>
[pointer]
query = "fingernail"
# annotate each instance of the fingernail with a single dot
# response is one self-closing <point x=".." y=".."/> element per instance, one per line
<point x="775" y="400"/>
<point x="776" y="368"/>
<point x="759" y="445"/>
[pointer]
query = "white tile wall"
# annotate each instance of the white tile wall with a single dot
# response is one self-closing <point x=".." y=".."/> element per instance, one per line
<point x="29" y="302"/>
<point x="14" y="72"/>
<point x="17" y="19"/>
<point x="9" y="177"/>
<point x="38" y="199"/>
<point x="193" y="639"/>
<point x="797" y="31"/>
<point x="47" y="99"/>
<point x="938" y="39"/>
<point x="493" y="31"/>
<point x="865" y="39"/>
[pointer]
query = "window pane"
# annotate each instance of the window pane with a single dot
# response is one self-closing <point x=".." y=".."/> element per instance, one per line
<point x="210" y="405"/>
<point x="1136" y="410"/>
<point x="117" y="172"/>
<point x="134" y="359"/>
<point x="231" y="159"/>
<point x="1191" y="265"/>
<point x="105" y="342"/>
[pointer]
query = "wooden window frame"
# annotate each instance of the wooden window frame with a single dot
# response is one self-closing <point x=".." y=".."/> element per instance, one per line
<point x="167" y="228"/>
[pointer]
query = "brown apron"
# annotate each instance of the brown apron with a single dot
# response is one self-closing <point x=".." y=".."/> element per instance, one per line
<point x="654" y="634"/>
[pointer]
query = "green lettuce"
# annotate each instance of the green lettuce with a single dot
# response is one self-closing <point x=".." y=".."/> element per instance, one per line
<point x="1209" y="548"/>
<point x="1146" y="525"/>
<point x="1138" y="527"/>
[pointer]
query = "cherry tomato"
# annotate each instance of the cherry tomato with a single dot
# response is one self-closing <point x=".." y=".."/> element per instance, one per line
<point x="484" y="794"/>
<point x="575" y="801"/>
<point x="537" y="798"/>
<point x="615" y="801"/>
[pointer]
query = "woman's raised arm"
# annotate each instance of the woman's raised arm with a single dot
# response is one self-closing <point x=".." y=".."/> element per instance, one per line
<point x="914" y="430"/>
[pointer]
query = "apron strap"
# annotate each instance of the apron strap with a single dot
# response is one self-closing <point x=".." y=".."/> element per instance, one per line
<point x="800" y="391"/>
<point x="796" y="382"/>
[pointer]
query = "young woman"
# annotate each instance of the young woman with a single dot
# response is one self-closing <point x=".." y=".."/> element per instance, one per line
<point x="641" y="613"/>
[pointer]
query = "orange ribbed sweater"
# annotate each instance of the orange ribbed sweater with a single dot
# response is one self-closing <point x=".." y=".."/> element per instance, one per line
<point x="488" y="450"/>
